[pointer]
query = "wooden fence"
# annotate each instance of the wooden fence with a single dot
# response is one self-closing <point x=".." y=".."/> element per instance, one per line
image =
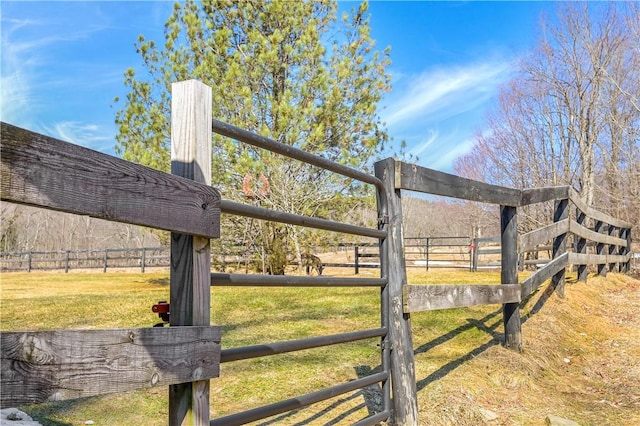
<point x="54" y="365"/>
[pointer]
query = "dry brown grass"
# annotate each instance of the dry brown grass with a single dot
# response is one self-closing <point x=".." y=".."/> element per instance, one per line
<point x="580" y="361"/>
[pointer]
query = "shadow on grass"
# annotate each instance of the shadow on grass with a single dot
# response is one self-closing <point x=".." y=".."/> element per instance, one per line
<point x="42" y="413"/>
<point x="544" y="297"/>
<point x="372" y="402"/>
<point x="481" y="324"/>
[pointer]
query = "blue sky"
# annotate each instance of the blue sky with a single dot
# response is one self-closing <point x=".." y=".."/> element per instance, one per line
<point x="63" y="63"/>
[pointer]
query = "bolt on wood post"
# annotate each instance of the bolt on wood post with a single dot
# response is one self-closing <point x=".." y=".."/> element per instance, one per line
<point x="561" y="212"/>
<point x="601" y="228"/>
<point x="581" y="246"/>
<point x="190" y="270"/>
<point x="509" y="275"/>
<point x="403" y="376"/>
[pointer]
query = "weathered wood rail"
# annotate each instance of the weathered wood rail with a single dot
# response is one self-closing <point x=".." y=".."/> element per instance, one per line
<point x="40" y="366"/>
<point x="41" y="171"/>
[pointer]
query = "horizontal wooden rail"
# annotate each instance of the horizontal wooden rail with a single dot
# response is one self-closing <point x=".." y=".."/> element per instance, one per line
<point x="584" y="232"/>
<point x="40" y="366"/>
<point x="530" y="284"/>
<point x="540" y="195"/>
<point x="446" y="296"/>
<point x="597" y="259"/>
<point x="421" y="179"/>
<point x="41" y="171"/>
<point x="542" y="235"/>
<point x="596" y="214"/>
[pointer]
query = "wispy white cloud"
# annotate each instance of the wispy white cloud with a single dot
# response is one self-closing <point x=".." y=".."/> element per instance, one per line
<point x="33" y="73"/>
<point x="437" y="112"/>
<point x="444" y="92"/>
<point x="79" y="133"/>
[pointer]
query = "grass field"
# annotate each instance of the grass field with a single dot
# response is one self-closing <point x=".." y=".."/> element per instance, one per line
<point x="580" y="359"/>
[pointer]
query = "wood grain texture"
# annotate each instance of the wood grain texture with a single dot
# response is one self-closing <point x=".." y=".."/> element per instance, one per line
<point x="189" y="281"/>
<point x="39" y="366"/>
<point x="531" y="240"/>
<point x="574" y="196"/>
<point x="597" y="237"/>
<point x="540" y="195"/>
<point x="509" y="275"/>
<point x="560" y="213"/>
<point x="45" y="172"/>
<point x="581" y="244"/>
<point x="597" y="259"/>
<point x="447" y="296"/>
<point x="416" y="178"/>
<point x="601" y="227"/>
<point x="403" y="376"/>
<point x="530" y="284"/>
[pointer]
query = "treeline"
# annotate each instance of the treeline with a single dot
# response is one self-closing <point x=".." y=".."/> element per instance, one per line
<point x="571" y="113"/>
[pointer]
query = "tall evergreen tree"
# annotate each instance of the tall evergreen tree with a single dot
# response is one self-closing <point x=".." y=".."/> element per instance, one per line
<point x="290" y="71"/>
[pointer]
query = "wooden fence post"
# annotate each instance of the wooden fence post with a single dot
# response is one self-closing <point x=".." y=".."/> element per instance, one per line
<point x="509" y="275"/>
<point x="427" y="254"/>
<point x="29" y="262"/>
<point x="581" y="246"/>
<point x="106" y="258"/>
<point x="403" y="376"/>
<point x="143" y="259"/>
<point x="475" y="254"/>
<point x="613" y="249"/>
<point x="602" y="267"/>
<point x="626" y="234"/>
<point x="560" y="212"/>
<point x="356" y="259"/>
<point x="190" y="270"/>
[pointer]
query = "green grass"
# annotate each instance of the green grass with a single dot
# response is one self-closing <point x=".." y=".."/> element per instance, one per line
<point x="460" y="365"/>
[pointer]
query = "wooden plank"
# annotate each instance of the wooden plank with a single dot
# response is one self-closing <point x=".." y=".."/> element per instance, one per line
<point x="530" y="240"/>
<point x="581" y="244"/>
<point x="530" y="284"/>
<point x="560" y="213"/>
<point x="45" y="172"/>
<point x="540" y="195"/>
<point x="574" y="196"/>
<point x="597" y="259"/>
<point x="419" y="298"/>
<point x="190" y="271"/>
<point x="509" y="275"/>
<point x="601" y="227"/>
<point x="403" y="376"/>
<point x="584" y="232"/>
<point x="40" y="366"/>
<point x="421" y="179"/>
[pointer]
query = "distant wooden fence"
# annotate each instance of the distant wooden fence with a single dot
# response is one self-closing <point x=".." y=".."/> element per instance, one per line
<point x="104" y="259"/>
<point x="40" y="366"/>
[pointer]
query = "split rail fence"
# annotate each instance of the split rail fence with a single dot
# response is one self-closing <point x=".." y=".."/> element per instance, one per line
<point x="40" y="366"/>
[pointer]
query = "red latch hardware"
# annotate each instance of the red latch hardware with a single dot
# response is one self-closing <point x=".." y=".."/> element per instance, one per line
<point x="162" y="309"/>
